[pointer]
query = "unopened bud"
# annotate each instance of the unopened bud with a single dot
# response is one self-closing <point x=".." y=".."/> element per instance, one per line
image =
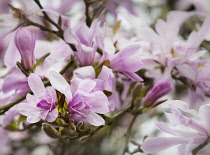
<point x="84" y="138"/>
<point x="160" y="89"/>
<point x="79" y="124"/>
<point x="25" y="40"/>
<point x="72" y="126"/>
<point x="50" y="131"/>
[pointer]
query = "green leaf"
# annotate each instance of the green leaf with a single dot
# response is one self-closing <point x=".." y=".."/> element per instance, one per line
<point x="12" y="126"/>
<point x="98" y="70"/>
<point x="61" y="105"/>
<point x="21" y="119"/>
<point x="137" y="90"/>
<point x="23" y="70"/>
<point x="143" y="92"/>
<point x="40" y="61"/>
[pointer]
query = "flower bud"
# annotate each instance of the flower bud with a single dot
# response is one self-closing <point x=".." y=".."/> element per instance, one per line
<point x="50" y="131"/>
<point x="25" y="42"/>
<point x="160" y="89"/>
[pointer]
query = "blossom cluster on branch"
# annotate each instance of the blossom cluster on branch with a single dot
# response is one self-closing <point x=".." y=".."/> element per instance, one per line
<point x="85" y="76"/>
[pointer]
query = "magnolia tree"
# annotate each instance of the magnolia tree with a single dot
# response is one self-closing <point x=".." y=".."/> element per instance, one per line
<point x="104" y="77"/>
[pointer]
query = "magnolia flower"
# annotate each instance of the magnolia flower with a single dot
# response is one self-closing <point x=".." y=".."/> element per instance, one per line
<point x="25" y="40"/>
<point x="41" y="105"/>
<point x="127" y="61"/>
<point x="104" y="81"/>
<point x="166" y="47"/>
<point x="83" y="38"/>
<point x="197" y="75"/>
<point x="160" y="89"/>
<point x="82" y="101"/>
<point x="186" y="132"/>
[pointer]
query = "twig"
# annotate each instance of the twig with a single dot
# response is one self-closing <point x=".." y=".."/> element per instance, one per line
<point x="201" y="146"/>
<point x="88" y="19"/>
<point x="46" y="15"/>
<point x="43" y="28"/>
<point x="128" y="134"/>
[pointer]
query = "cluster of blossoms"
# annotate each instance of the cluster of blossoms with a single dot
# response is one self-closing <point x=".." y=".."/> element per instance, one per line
<point x="71" y="74"/>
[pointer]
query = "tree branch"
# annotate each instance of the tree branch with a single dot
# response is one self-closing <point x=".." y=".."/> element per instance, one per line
<point x="201" y="146"/>
<point x="128" y="134"/>
<point x="46" y="15"/>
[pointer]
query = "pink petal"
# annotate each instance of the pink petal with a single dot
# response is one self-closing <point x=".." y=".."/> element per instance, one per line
<point x="188" y="122"/>
<point x="128" y="51"/>
<point x="94" y="119"/>
<point x="85" y="72"/>
<point x="133" y="76"/>
<point x="86" y="85"/>
<point x="34" y="117"/>
<point x="60" y="84"/>
<point x="204" y="113"/>
<point x="51" y="117"/>
<point x="158" y="144"/>
<point x="36" y="85"/>
<point x="99" y="103"/>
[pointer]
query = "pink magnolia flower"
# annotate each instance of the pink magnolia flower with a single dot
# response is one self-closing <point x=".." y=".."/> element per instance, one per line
<point x="104" y="81"/>
<point x="25" y="40"/>
<point x="186" y="132"/>
<point x="166" y="47"/>
<point x="84" y="39"/>
<point x="197" y="75"/>
<point x="41" y="105"/>
<point x="160" y="89"/>
<point x="127" y="61"/>
<point x="83" y="102"/>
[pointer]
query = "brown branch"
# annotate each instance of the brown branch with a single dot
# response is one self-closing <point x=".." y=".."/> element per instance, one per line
<point x="88" y="18"/>
<point x="46" y="15"/>
<point x="201" y="146"/>
<point x="128" y="134"/>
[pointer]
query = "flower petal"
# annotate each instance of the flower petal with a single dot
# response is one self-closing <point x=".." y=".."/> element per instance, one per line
<point x="36" y="85"/>
<point x="60" y="84"/>
<point x="158" y="144"/>
<point x="86" y="85"/>
<point x="94" y="119"/>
